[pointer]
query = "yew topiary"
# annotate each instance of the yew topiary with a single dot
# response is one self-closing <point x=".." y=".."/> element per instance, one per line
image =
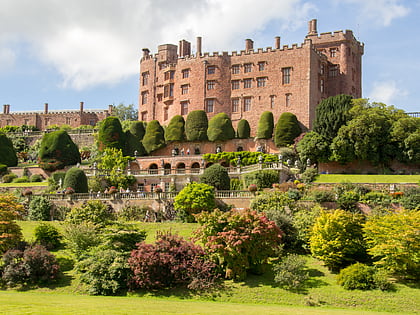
<point x="176" y="129"/>
<point x="196" y="126"/>
<point x="154" y="137"/>
<point x="244" y="130"/>
<point x="265" y="125"/>
<point x="287" y="129"/>
<point x="220" y="128"/>
<point x="111" y="134"/>
<point x="7" y="152"/>
<point x="76" y="179"/>
<point x="216" y="176"/>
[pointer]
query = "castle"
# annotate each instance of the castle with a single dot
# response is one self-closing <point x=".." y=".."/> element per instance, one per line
<point x="244" y="84"/>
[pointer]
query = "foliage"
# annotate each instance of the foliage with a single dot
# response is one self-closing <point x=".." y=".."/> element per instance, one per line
<point x="376" y="198"/>
<point x="125" y="112"/>
<point x="394" y="241"/>
<point x="262" y="178"/>
<point x="39" y="209"/>
<point x="220" y="128"/>
<point x="322" y="195"/>
<point x="347" y="200"/>
<point x="33" y="266"/>
<point x="239" y="241"/>
<point x="411" y="199"/>
<point x="23" y="179"/>
<point x="91" y="211"/>
<point x="110" y="134"/>
<point x="7" y="153"/>
<point x="36" y="178"/>
<point x="133" y="213"/>
<point x="133" y="144"/>
<point x="193" y="199"/>
<point x="154" y="138"/>
<point x="122" y="238"/>
<point x="406" y="133"/>
<point x="314" y="147"/>
<point x="287" y="129"/>
<point x="272" y="200"/>
<point x="362" y="277"/>
<point x="8" y="178"/>
<point x="244" y="130"/>
<point x="196" y="126"/>
<point x="170" y="262"/>
<point x="81" y="237"/>
<point x="331" y="114"/>
<point x="304" y="219"/>
<point x="176" y="129"/>
<point x="246" y="157"/>
<point x="216" y="176"/>
<point x="309" y="175"/>
<point x="76" y="179"/>
<point x="10" y="232"/>
<point x="265" y="125"/>
<point x="337" y="238"/>
<point x="284" y="222"/>
<point x="235" y="184"/>
<point x="48" y="236"/>
<point x="290" y="273"/>
<point x="114" y="162"/>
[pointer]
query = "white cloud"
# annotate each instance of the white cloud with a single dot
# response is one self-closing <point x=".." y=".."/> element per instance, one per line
<point x="386" y="92"/>
<point x="7" y="58"/>
<point x="99" y="41"/>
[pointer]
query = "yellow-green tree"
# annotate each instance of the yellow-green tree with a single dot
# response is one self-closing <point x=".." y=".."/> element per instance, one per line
<point x="10" y="232"/>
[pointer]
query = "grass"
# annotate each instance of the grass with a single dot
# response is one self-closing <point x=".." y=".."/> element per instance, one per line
<point x="34" y="184"/>
<point x="356" y="178"/>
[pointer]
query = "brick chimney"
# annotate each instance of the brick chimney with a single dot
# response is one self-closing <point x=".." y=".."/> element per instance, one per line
<point x="6" y="108"/>
<point x="312" y="27"/>
<point x="277" y="42"/>
<point x="46" y="108"/>
<point x="110" y="109"/>
<point x="249" y="44"/>
<point x="198" y="46"/>
<point x="146" y="52"/>
<point x="81" y="107"/>
<point x="184" y="48"/>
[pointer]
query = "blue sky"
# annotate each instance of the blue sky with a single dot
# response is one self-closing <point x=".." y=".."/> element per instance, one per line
<point x="62" y="53"/>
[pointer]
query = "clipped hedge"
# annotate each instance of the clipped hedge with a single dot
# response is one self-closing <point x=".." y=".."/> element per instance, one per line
<point x="176" y="129"/>
<point x="220" y="128"/>
<point x="7" y="153"/>
<point x="287" y="129"/>
<point x="265" y="125"/>
<point x="76" y="179"/>
<point x="154" y="137"/>
<point x="196" y="126"/>
<point x="244" y="130"/>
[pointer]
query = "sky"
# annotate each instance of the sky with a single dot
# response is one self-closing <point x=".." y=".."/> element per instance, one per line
<point x="64" y="52"/>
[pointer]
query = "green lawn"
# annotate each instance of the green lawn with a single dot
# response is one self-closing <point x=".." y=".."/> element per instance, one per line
<point x="35" y="184"/>
<point x="356" y="178"/>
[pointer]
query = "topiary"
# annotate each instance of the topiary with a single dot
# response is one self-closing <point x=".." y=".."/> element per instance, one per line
<point x="216" y="176"/>
<point x="220" y="128"/>
<point x="138" y="129"/>
<point x="39" y="209"/>
<point x="244" y="130"/>
<point x="196" y="126"/>
<point x="154" y="137"/>
<point x="35" y="178"/>
<point x="76" y="179"/>
<point x="133" y="138"/>
<point x="7" y="153"/>
<point x="265" y="125"/>
<point x="287" y="129"/>
<point x="176" y="129"/>
<point x="110" y="134"/>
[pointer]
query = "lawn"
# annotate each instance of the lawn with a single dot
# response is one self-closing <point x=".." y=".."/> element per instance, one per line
<point x="356" y="178"/>
<point x="19" y="185"/>
<point x="255" y="295"/>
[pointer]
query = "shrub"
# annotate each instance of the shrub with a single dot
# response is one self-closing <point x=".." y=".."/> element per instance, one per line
<point x="8" y="178"/>
<point x="347" y="200"/>
<point x="220" y="128"/>
<point x="10" y="231"/>
<point x="357" y="276"/>
<point x="176" y="129"/>
<point x="303" y="221"/>
<point x="154" y="138"/>
<point x="323" y="196"/>
<point x="81" y="237"/>
<point x="170" y="262"/>
<point x="133" y="213"/>
<point x="376" y="198"/>
<point x="196" y="126"/>
<point x="272" y="200"/>
<point x="290" y="273"/>
<point x="287" y="129"/>
<point x="7" y="153"/>
<point x="244" y="130"/>
<point x="265" y="125"/>
<point x="247" y="158"/>
<point x="235" y="184"/>
<point x="216" y="176"/>
<point x="110" y="134"/>
<point x="39" y="209"/>
<point x="309" y="175"/>
<point x="411" y="199"/>
<point x="3" y="169"/>
<point x="92" y="211"/>
<point x="122" y="238"/>
<point x="134" y="136"/>
<point x="284" y="221"/>
<point x="263" y="179"/>
<point x="76" y="179"/>
<point x="36" y="178"/>
<point x="48" y="236"/>
<point x="23" y="179"/>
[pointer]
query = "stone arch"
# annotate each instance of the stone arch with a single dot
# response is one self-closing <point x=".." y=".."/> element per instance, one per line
<point x="180" y="168"/>
<point x="195" y="167"/>
<point x="153" y="168"/>
<point x="209" y="164"/>
<point x="167" y="168"/>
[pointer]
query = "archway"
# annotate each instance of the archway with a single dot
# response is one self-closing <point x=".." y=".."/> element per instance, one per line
<point x="153" y="168"/>
<point x="195" y="167"/>
<point x="180" y="168"/>
<point x="167" y="168"/>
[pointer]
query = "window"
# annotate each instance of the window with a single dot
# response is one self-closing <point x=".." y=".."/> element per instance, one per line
<point x="286" y="75"/>
<point x="160" y="97"/>
<point x="92" y="122"/>
<point x="211" y="69"/>
<point x="26" y="122"/>
<point x="333" y="71"/>
<point x="288" y="99"/>
<point x="247" y="104"/>
<point x="235" y="105"/>
<point x="68" y="120"/>
<point x="247" y="83"/>
<point x="184" y="89"/>
<point x="185" y="73"/>
<point x="144" y="96"/>
<point x="210" y="105"/>
<point x="144" y="116"/>
<point x="261" y="66"/>
<point x="184" y="108"/>
<point x="236" y="69"/>
<point x="168" y="90"/>
<point x="261" y="82"/>
<point x="321" y="85"/>
<point x="165" y="113"/>
<point x="333" y="52"/>
<point x="247" y="67"/>
<point x="169" y="75"/>
<point x="272" y="97"/>
<point x="153" y="187"/>
<point x="322" y="70"/>
<point x="235" y="84"/>
<point x="211" y="84"/>
<point x="145" y="78"/>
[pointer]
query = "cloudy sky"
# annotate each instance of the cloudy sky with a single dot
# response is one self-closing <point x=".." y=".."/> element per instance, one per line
<point x="64" y="52"/>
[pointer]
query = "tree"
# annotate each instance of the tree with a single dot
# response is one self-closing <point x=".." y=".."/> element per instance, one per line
<point x="91" y="212"/>
<point x="176" y="129"/>
<point x="272" y="200"/>
<point x="220" y="128"/>
<point x="39" y="209"/>
<point x="58" y="150"/>
<point x="133" y="145"/>
<point x="394" y="241"/>
<point x="7" y="152"/>
<point x="239" y="241"/>
<point x="406" y="133"/>
<point x="314" y="147"/>
<point x="265" y="125"/>
<point x="262" y="178"/>
<point x="10" y="231"/>
<point x="114" y="161"/>
<point x="76" y="179"/>
<point x="193" y="199"/>
<point x="154" y="138"/>
<point x="196" y="126"/>
<point x="125" y="112"/>
<point x="110" y="134"/>
<point x="244" y="130"/>
<point x="337" y="238"/>
<point x="287" y="129"/>
<point x="332" y="113"/>
<point x="216" y="176"/>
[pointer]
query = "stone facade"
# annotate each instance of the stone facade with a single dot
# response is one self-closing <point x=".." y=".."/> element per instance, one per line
<point x="43" y="119"/>
<point x="244" y="84"/>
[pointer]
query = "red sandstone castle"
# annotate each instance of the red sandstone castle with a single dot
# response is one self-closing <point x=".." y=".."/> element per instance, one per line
<point x="244" y="84"/>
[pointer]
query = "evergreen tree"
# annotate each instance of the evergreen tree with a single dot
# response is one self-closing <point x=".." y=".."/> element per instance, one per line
<point x="133" y="138"/>
<point x="287" y="129"/>
<point x="244" y="130"/>
<point x="7" y="152"/>
<point x="216" y="176"/>
<point x="196" y="126"/>
<point x="220" y="128"/>
<point x="265" y="125"/>
<point x="110" y="134"/>
<point x="76" y="179"/>
<point x="176" y="129"/>
<point x="154" y="137"/>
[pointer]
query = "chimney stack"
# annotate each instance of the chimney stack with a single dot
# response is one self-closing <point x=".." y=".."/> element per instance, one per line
<point x="110" y="109"/>
<point x="277" y="42"/>
<point x="146" y="52"/>
<point x="249" y="44"/>
<point x="184" y="48"/>
<point x="46" y="108"/>
<point x="198" y="46"/>
<point x="312" y="27"/>
<point x="81" y="107"/>
<point x="5" y="109"/>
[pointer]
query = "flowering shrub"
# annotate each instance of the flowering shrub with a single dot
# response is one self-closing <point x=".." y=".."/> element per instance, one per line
<point x="69" y="191"/>
<point x="252" y="188"/>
